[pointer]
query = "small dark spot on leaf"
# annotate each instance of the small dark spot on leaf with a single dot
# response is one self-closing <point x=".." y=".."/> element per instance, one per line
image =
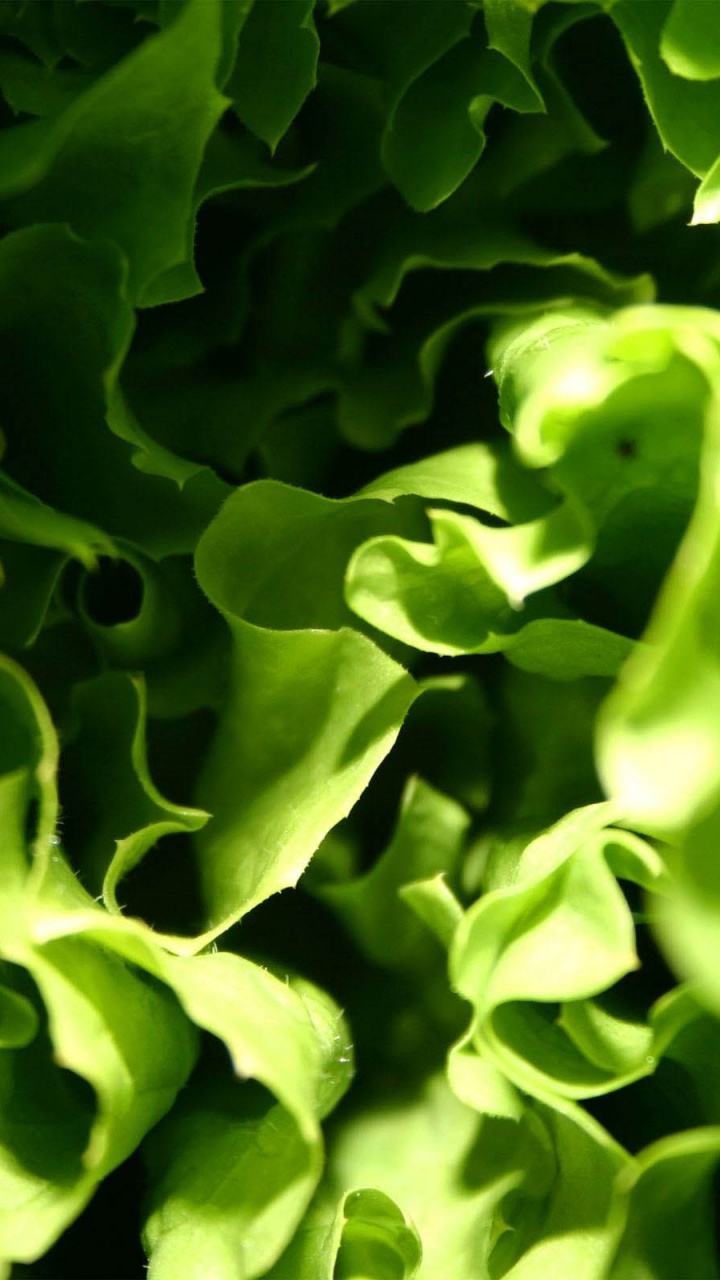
<point x="626" y="449"/>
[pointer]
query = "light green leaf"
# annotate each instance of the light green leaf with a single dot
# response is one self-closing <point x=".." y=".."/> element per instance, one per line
<point x="482" y="475"/>
<point x="127" y="1038"/>
<point x="463" y="594"/>
<point x="567" y="649"/>
<point x="436" y="1160"/>
<point x="43" y="1135"/>
<point x="123" y="1035"/>
<point x="434" y="902"/>
<point x="263" y="1022"/>
<point x="232" y="1172"/>
<point x="260" y="558"/>
<point x="293" y="1041"/>
<point x="657" y="737"/>
<point x="308" y="718"/>
<point x="28" y="764"/>
<point x="230" y="1178"/>
<point x="689" y="43"/>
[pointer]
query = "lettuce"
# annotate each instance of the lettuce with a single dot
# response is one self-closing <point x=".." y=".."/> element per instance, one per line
<point x="359" y="666"/>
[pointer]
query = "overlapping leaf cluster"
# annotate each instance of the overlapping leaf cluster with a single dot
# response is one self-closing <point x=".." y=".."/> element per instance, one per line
<point x="360" y="688"/>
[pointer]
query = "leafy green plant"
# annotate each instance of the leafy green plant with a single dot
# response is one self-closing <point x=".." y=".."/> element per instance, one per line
<point x="359" y="658"/>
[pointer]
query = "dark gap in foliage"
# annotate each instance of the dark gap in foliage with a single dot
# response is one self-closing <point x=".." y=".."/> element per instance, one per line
<point x="62" y="656"/>
<point x="685" y="267"/>
<point x="652" y="1108"/>
<point x="32" y="817"/>
<point x="297" y="932"/>
<point x="303" y="447"/>
<point x="340" y="47"/>
<point x="715" y="1203"/>
<point x="621" y="596"/>
<point x="541" y="750"/>
<point x="17" y="749"/>
<point x="104" y="1242"/>
<point x="176" y="751"/>
<point x="581" y="203"/>
<point x="444" y="744"/>
<point x="400" y="1032"/>
<point x="465" y="405"/>
<point x="165" y="888"/>
<point x="113" y="593"/>
<point x="465" y="509"/>
<point x="594" y="66"/>
<point x="654" y="977"/>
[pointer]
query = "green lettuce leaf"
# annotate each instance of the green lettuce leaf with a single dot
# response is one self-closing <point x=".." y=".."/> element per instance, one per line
<point x="531" y="958"/>
<point x="108" y="1028"/>
<point x="427" y="842"/>
<point x="120" y="162"/>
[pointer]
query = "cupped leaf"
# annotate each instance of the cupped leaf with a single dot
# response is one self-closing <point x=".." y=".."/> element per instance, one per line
<point x="433" y="1157"/>
<point x="28" y="791"/>
<point x="146" y="615"/>
<point x="293" y="1041"/>
<point x="531" y="957"/>
<point x="463" y="594"/>
<point x="231" y="1170"/>
<point x="42" y="1140"/>
<point x="365" y="1233"/>
<point x="121" y="1034"/>
<point x="596" y="398"/>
